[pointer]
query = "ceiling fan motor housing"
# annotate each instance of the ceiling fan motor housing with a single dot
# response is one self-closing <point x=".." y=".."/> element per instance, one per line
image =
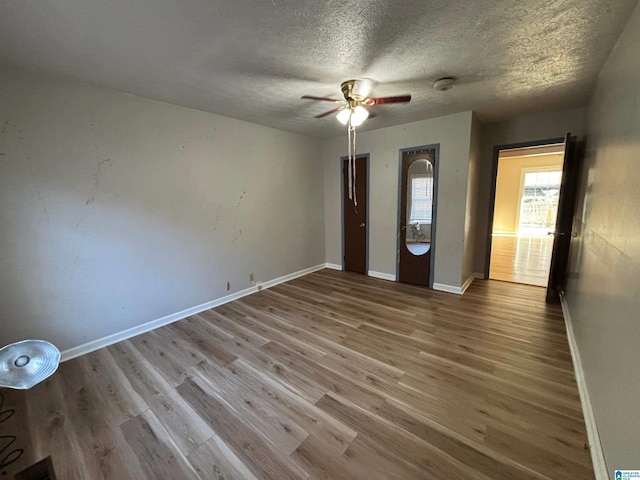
<point x="357" y="89"/>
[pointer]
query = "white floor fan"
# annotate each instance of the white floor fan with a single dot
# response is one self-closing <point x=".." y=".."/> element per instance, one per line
<point x="27" y="363"/>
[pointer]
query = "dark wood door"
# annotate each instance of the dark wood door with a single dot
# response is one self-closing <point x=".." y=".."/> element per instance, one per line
<point x="564" y="219"/>
<point x="355" y="218"/>
<point x="415" y="243"/>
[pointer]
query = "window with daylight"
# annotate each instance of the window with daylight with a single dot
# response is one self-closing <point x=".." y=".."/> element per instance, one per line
<point x="421" y="198"/>
<point x="539" y="201"/>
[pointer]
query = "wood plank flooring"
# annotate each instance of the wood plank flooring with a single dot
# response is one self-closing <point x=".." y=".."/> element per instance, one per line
<point x="521" y="259"/>
<point x="329" y="376"/>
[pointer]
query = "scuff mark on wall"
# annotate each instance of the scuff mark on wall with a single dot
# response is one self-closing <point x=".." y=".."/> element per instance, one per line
<point x="96" y="181"/>
<point x="93" y="135"/>
<point x="6" y="125"/>
<point x="237" y="237"/>
<point x="82" y="218"/>
<point x="218" y="212"/>
<point x="96" y="176"/>
<point x="244" y="192"/>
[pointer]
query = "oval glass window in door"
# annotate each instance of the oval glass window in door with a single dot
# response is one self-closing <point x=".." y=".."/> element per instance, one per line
<point x="419" y="207"/>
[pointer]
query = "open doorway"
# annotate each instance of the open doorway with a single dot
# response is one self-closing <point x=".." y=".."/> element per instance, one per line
<point x="525" y="210"/>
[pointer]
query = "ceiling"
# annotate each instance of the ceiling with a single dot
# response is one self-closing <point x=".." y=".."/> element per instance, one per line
<point x="253" y="60"/>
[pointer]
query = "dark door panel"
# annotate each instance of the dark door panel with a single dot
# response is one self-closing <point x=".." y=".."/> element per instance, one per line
<point x="355" y="218"/>
<point x="564" y="220"/>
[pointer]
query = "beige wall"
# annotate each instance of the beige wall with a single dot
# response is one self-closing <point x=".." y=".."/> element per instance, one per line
<point x="117" y="210"/>
<point x="453" y="133"/>
<point x="472" y="203"/>
<point x="508" y="185"/>
<point x="604" y="288"/>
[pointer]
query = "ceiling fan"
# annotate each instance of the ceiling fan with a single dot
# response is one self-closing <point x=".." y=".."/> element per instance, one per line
<point x="351" y="112"/>
<point x="356" y="96"/>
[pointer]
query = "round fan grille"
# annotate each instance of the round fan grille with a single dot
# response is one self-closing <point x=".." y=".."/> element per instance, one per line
<point x="24" y="364"/>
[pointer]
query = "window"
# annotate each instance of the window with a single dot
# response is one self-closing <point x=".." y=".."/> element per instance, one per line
<point x="421" y="198"/>
<point x="539" y="200"/>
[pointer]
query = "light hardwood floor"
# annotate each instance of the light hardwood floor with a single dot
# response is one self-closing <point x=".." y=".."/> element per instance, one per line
<point x="521" y="259"/>
<point x="330" y="376"/>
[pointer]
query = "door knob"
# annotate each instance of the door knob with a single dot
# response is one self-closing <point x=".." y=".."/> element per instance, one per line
<point x="362" y="225"/>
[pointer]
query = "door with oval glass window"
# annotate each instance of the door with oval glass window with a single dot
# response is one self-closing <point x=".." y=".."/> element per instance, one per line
<point x="417" y="216"/>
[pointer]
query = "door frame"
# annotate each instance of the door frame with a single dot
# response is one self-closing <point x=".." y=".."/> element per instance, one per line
<point x="367" y="157"/>
<point x="492" y="191"/>
<point x="434" y="218"/>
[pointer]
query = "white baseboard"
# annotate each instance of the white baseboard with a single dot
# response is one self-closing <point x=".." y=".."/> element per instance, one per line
<point x="174" y="317"/>
<point x="468" y="282"/>
<point x="333" y="266"/>
<point x="458" y="290"/>
<point x="381" y="275"/>
<point x="442" y="287"/>
<point x="595" y="447"/>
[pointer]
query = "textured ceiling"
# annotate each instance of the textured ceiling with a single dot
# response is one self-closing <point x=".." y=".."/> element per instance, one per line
<point x="253" y="60"/>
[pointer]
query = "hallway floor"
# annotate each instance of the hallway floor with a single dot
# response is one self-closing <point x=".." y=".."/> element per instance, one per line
<point x="521" y="259"/>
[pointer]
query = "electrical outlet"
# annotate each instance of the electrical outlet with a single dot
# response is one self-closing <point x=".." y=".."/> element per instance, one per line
<point x="251" y="279"/>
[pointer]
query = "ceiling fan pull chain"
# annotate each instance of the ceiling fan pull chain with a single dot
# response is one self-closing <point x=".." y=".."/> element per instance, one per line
<point x="350" y="173"/>
<point x="355" y="200"/>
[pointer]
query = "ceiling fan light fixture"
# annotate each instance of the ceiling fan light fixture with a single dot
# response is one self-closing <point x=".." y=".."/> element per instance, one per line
<point x="359" y="115"/>
<point x="343" y="116"/>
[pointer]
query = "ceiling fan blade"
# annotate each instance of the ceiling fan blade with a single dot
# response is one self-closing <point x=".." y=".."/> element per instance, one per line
<point x="324" y="99"/>
<point x="322" y="115"/>
<point x="384" y="100"/>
